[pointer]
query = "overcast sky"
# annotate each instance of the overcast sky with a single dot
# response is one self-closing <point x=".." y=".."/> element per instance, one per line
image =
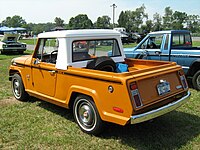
<point x="43" y="11"/>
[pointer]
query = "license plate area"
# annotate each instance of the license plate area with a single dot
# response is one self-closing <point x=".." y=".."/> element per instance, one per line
<point x="163" y="88"/>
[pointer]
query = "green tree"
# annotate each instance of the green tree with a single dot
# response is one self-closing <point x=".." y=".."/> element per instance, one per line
<point x="40" y="27"/>
<point x="59" y="22"/>
<point x="148" y="26"/>
<point x="167" y="18"/>
<point x="123" y="19"/>
<point x="133" y="20"/>
<point x="193" y="23"/>
<point x="157" y="22"/>
<point x="138" y="16"/>
<point x="80" y="22"/>
<point x="179" y="19"/>
<point x="102" y="22"/>
<point x="15" y="21"/>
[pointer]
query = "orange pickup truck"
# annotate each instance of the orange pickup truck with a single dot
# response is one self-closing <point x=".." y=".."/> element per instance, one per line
<point x="96" y="87"/>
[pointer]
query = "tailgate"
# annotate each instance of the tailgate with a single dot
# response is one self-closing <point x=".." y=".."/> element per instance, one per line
<point x="159" y="86"/>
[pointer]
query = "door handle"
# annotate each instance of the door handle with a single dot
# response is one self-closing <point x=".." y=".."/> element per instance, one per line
<point x="52" y="72"/>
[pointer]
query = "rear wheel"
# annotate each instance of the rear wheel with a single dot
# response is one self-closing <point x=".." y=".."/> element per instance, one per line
<point x="18" y="88"/>
<point x="2" y="52"/>
<point x="196" y="80"/>
<point x="86" y="115"/>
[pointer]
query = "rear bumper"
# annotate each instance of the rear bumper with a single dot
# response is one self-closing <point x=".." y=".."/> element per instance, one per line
<point x="160" y="111"/>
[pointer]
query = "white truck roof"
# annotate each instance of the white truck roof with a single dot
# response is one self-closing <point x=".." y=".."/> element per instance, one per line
<point x="79" y="33"/>
<point x="66" y="38"/>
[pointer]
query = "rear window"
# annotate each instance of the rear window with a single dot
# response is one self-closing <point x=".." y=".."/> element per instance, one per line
<point x="89" y="49"/>
<point x="181" y="40"/>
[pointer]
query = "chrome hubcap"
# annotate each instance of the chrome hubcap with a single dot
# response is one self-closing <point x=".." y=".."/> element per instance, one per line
<point x="85" y="115"/>
<point x="16" y="88"/>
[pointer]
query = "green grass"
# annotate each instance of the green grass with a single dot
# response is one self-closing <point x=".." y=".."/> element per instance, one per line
<point x="29" y="41"/>
<point x="5" y="88"/>
<point x="195" y="43"/>
<point x="40" y="125"/>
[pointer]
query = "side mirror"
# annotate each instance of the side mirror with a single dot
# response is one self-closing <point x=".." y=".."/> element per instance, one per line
<point x="142" y="46"/>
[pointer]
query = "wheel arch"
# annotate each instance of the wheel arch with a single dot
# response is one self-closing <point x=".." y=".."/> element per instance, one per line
<point x="79" y="90"/>
<point x="194" y="67"/>
<point x="12" y="72"/>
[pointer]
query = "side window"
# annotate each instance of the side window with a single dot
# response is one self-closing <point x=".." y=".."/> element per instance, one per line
<point x="47" y="50"/>
<point x="89" y="49"/>
<point x="181" y="40"/>
<point x="153" y="42"/>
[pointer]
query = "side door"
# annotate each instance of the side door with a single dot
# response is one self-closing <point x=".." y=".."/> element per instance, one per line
<point x="43" y="69"/>
<point x="151" y="47"/>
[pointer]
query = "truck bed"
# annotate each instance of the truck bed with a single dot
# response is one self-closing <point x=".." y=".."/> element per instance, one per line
<point x="145" y="65"/>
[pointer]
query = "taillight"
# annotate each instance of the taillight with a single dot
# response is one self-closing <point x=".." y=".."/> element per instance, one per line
<point x="183" y="79"/>
<point x="135" y="95"/>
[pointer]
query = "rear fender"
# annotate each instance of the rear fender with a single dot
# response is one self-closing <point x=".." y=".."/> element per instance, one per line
<point x="194" y="67"/>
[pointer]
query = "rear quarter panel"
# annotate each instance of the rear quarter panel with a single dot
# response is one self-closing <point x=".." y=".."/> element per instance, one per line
<point x="95" y="84"/>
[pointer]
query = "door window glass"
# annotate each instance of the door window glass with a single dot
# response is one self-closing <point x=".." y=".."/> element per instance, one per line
<point x="47" y="50"/>
<point x="153" y="42"/>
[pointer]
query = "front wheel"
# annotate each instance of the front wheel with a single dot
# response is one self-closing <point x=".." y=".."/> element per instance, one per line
<point x="86" y="115"/>
<point x="196" y="80"/>
<point x="18" y="88"/>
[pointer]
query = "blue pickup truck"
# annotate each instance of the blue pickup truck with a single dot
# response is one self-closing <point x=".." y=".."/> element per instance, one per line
<point x="173" y="45"/>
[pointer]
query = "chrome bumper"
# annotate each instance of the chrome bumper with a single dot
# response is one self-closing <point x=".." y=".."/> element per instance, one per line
<point x="160" y="111"/>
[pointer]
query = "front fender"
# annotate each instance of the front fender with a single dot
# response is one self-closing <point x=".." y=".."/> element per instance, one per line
<point x="12" y="71"/>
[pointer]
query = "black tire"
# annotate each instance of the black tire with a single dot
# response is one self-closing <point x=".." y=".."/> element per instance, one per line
<point x="2" y="52"/>
<point x="86" y="115"/>
<point x="103" y="63"/>
<point x="18" y="88"/>
<point x="196" y="81"/>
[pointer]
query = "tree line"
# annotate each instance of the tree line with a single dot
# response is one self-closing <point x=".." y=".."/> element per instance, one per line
<point x="133" y="20"/>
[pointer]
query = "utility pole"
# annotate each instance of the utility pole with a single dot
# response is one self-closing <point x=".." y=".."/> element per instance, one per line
<point x="113" y="6"/>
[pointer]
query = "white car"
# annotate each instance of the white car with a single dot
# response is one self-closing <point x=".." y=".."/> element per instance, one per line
<point x="9" y="43"/>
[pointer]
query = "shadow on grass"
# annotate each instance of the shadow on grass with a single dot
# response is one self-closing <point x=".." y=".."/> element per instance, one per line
<point x="66" y="113"/>
<point x="171" y="131"/>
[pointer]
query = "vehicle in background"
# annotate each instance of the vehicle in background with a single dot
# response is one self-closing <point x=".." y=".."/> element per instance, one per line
<point x="9" y="43"/>
<point x="126" y="37"/>
<point x="173" y="45"/>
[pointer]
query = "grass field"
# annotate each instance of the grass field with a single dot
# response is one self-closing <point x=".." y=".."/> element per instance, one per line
<point x="40" y="125"/>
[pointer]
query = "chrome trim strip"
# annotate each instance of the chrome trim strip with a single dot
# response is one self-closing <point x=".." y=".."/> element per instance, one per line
<point x="160" y="111"/>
